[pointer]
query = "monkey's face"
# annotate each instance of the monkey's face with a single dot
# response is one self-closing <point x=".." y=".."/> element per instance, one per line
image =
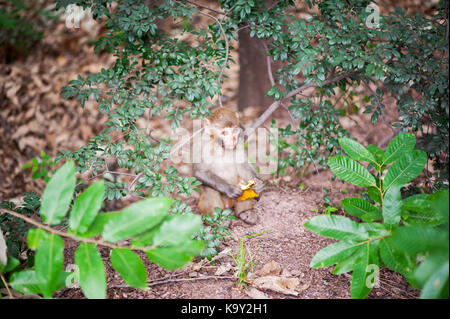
<point x="228" y="137"/>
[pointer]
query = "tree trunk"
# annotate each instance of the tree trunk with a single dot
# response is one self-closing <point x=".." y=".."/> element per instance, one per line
<point x="253" y="77"/>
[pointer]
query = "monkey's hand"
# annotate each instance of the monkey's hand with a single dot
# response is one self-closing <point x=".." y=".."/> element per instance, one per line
<point x="233" y="191"/>
<point x="259" y="186"/>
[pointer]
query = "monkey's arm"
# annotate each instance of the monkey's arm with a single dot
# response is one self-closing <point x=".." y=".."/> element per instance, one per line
<point x="210" y="179"/>
<point x="247" y="171"/>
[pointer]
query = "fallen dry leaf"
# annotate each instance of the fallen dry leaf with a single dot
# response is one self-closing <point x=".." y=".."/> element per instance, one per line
<point x="272" y="268"/>
<point x="282" y="285"/>
<point x="256" y="294"/>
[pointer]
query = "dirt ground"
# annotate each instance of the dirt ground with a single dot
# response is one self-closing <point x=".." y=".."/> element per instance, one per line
<point x="34" y="117"/>
<point x="282" y="212"/>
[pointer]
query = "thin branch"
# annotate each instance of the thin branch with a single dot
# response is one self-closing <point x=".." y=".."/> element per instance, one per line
<point x="207" y="8"/>
<point x="162" y="282"/>
<point x="72" y="236"/>
<point x="7" y="287"/>
<point x="244" y="27"/>
<point x="379" y="105"/>
<point x="177" y="147"/>
<point x="293" y="121"/>
<point x="130" y="186"/>
<point x="276" y="104"/>
<point x="269" y="65"/>
<point x="388" y="138"/>
<point x="108" y="171"/>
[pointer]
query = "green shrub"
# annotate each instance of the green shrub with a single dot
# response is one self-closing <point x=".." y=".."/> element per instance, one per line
<point x="409" y="235"/>
<point x="166" y="239"/>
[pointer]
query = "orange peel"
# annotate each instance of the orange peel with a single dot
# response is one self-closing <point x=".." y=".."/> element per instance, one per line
<point x="247" y="191"/>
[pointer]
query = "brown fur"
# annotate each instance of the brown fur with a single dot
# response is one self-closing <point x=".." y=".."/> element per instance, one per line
<point x="223" y="117"/>
<point x="221" y="179"/>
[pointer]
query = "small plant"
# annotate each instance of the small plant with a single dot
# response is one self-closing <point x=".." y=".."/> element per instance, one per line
<point x="395" y="232"/>
<point x="41" y="167"/>
<point x="244" y="260"/>
<point x="215" y="231"/>
<point x="166" y="239"/>
<point x="16" y="228"/>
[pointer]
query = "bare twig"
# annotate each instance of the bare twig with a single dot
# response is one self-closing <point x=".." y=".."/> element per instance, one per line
<point x="388" y="138"/>
<point x="293" y="121"/>
<point x="130" y="186"/>
<point x="379" y="105"/>
<point x="177" y="147"/>
<point x="244" y="27"/>
<point x="269" y="65"/>
<point x="303" y="87"/>
<point x="207" y="8"/>
<point x="72" y="236"/>
<point x="162" y="282"/>
<point x="7" y="287"/>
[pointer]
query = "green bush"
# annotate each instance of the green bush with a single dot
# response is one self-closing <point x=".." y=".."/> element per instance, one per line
<point x="409" y="235"/>
<point x="166" y="239"/>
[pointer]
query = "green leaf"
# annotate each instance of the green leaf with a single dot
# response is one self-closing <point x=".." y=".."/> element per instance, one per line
<point x="145" y="238"/>
<point x="130" y="267"/>
<point x="49" y="261"/>
<point x="34" y="237"/>
<point x="361" y="208"/>
<point x="11" y="264"/>
<point x="25" y="282"/>
<point x="99" y="223"/>
<point x="376" y="152"/>
<point x="405" y="169"/>
<point x="337" y="227"/>
<point x="401" y="144"/>
<point x="137" y="218"/>
<point x="355" y="150"/>
<point x="374" y="194"/>
<point x="92" y="277"/>
<point x="348" y="264"/>
<point x="177" y="229"/>
<point x="86" y="207"/>
<point x="437" y="284"/>
<point x="333" y="253"/>
<point x="415" y="239"/>
<point x="172" y="258"/>
<point x="58" y="194"/>
<point x="440" y="204"/>
<point x="392" y="206"/>
<point x="424" y="276"/>
<point x="351" y="171"/>
<point x="358" y="286"/>
<point x="418" y="203"/>
<point x="394" y="259"/>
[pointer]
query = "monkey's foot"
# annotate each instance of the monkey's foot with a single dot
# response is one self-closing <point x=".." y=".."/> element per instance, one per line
<point x="249" y="217"/>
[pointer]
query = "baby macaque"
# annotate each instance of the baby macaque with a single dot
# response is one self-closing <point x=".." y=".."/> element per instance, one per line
<point x="224" y="166"/>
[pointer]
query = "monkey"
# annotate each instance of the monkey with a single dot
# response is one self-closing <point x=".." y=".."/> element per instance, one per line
<point x="224" y="166"/>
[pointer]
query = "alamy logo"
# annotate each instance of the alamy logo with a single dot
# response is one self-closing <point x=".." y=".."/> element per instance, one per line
<point x="373" y="19"/>
<point x="74" y="15"/>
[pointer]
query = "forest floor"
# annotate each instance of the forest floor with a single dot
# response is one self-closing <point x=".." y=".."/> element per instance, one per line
<point x="34" y="117"/>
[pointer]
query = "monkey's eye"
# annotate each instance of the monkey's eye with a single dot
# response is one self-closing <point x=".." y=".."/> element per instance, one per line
<point x="224" y="133"/>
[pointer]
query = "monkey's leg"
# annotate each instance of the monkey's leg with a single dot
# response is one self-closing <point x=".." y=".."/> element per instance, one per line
<point x="243" y="210"/>
<point x="209" y="199"/>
